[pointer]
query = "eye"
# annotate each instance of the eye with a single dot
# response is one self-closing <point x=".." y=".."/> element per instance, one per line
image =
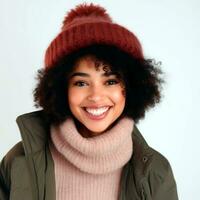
<point x="112" y="82"/>
<point x="80" y="83"/>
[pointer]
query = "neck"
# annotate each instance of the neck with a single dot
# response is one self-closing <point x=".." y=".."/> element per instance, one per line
<point x="86" y="133"/>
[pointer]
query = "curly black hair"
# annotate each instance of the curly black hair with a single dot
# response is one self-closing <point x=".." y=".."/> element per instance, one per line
<point x="141" y="77"/>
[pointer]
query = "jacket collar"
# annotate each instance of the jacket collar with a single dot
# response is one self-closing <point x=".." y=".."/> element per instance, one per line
<point x="34" y="131"/>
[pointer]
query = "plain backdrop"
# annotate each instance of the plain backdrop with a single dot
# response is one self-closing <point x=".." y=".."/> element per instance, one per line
<point x="169" y="32"/>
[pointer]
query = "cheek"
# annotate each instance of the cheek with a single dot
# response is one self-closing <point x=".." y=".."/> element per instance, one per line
<point x="74" y="97"/>
<point x="119" y="96"/>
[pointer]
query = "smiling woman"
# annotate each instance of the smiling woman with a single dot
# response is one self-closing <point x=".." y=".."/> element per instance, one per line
<point x="84" y="144"/>
<point x="95" y="98"/>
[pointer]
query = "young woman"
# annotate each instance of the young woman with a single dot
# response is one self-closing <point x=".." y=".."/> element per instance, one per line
<point x="84" y="144"/>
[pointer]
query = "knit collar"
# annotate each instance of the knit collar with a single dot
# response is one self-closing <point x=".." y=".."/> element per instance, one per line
<point x="96" y="155"/>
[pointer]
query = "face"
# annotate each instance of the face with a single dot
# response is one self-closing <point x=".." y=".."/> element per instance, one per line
<point x="96" y="98"/>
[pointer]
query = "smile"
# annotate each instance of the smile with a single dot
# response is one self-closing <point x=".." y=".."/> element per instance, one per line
<point x="97" y="113"/>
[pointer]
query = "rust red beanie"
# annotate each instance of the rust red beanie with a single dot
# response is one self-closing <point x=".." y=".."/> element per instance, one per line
<point x="86" y="25"/>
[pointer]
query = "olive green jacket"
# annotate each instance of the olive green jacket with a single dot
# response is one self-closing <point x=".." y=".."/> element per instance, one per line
<point x="27" y="171"/>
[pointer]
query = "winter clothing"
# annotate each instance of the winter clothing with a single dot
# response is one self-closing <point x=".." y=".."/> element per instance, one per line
<point x="31" y="170"/>
<point x="27" y="171"/>
<point x="87" y="25"/>
<point x="90" y="168"/>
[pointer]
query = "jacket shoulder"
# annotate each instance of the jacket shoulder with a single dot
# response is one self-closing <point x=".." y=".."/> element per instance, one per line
<point x="6" y="164"/>
<point x="160" y="164"/>
<point x="15" y="151"/>
<point x="161" y="181"/>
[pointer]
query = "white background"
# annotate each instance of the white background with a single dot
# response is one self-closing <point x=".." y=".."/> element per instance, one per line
<point x="169" y="32"/>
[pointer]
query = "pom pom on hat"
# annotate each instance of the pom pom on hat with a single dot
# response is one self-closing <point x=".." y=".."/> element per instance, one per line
<point x="89" y="24"/>
<point x="84" y="10"/>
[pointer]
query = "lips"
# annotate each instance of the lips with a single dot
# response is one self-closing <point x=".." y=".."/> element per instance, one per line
<point x="96" y="113"/>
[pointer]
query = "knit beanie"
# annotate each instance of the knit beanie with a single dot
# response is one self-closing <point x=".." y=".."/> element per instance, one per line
<point x="89" y="24"/>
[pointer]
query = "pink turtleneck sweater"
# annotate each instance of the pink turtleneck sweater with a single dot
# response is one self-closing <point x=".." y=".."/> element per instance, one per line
<point x="90" y="168"/>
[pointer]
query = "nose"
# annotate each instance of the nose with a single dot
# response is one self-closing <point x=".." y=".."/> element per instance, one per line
<point x="96" y="94"/>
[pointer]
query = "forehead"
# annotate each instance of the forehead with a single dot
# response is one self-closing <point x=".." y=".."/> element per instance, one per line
<point x="91" y="63"/>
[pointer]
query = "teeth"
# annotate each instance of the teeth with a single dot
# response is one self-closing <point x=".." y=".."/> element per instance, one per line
<point x="98" y="111"/>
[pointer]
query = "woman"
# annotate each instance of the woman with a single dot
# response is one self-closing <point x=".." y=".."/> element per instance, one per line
<point x="84" y="144"/>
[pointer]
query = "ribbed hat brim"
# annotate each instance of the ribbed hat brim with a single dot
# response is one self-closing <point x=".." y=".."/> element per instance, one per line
<point x="88" y="34"/>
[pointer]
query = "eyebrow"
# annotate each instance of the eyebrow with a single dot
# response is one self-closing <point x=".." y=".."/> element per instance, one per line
<point x="82" y="74"/>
